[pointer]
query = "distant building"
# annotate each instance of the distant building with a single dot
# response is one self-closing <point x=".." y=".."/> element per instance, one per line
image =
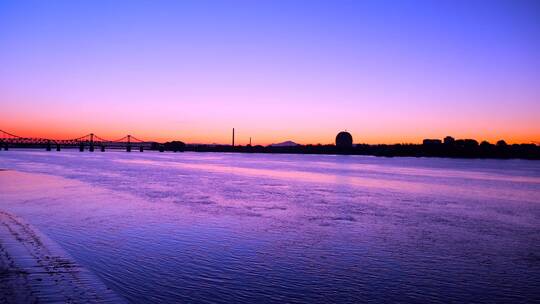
<point x="449" y="140"/>
<point x="432" y="142"/>
<point x="344" y="140"/>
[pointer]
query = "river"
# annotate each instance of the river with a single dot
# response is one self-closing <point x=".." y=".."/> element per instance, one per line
<point x="275" y="228"/>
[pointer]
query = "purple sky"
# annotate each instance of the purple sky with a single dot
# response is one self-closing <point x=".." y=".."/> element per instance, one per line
<point x="387" y="71"/>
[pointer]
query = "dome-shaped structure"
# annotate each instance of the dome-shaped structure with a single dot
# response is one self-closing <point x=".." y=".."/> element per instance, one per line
<point x="344" y="140"/>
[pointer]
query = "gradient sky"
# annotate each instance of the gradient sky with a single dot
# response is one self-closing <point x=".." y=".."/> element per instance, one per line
<point x="387" y="71"/>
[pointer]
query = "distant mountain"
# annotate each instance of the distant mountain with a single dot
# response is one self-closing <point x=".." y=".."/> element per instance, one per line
<point x="287" y="143"/>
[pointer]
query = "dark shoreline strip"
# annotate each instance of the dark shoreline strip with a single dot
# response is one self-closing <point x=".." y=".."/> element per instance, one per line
<point x="33" y="269"/>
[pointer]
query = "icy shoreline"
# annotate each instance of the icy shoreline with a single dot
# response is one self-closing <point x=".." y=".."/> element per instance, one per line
<point x="33" y="269"/>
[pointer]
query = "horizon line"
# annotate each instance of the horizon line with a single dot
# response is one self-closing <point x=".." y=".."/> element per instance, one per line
<point x="277" y="142"/>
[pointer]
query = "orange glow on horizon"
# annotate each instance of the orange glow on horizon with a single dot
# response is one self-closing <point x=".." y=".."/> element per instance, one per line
<point x="242" y="137"/>
<point x="392" y="76"/>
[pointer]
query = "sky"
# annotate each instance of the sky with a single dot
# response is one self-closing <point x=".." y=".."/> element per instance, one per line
<point x="386" y="71"/>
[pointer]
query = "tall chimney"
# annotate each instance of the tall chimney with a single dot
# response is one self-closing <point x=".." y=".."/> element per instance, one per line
<point x="233" y="137"/>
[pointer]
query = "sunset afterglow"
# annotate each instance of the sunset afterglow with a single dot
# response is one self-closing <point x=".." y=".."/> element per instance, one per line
<point x="275" y="71"/>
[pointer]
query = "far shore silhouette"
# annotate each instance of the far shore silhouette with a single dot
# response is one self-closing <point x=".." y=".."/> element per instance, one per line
<point x="447" y="147"/>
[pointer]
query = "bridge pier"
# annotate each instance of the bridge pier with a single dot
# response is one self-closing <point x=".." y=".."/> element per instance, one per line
<point x="91" y="142"/>
<point x="48" y="147"/>
<point x="161" y="149"/>
<point x="102" y="148"/>
<point x="57" y="147"/>
<point x="6" y="147"/>
<point x="128" y="147"/>
<point x="81" y="147"/>
<point x="140" y="148"/>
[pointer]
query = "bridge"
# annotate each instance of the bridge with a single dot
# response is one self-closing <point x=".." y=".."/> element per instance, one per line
<point x="88" y="142"/>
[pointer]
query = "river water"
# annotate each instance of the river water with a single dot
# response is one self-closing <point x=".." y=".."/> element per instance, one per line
<point x="248" y="228"/>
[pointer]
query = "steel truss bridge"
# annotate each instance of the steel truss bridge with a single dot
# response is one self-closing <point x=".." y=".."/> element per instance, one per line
<point x="88" y="142"/>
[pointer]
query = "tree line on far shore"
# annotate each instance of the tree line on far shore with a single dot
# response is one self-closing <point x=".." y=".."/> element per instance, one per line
<point x="449" y="147"/>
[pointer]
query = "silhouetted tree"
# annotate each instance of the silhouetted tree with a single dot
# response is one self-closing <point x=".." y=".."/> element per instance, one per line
<point x="449" y="140"/>
<point x="175" y="146"/>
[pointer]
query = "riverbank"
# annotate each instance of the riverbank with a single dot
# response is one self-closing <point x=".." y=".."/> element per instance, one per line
<point x="33" y="269"/>
<point x="473" y="151"/>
